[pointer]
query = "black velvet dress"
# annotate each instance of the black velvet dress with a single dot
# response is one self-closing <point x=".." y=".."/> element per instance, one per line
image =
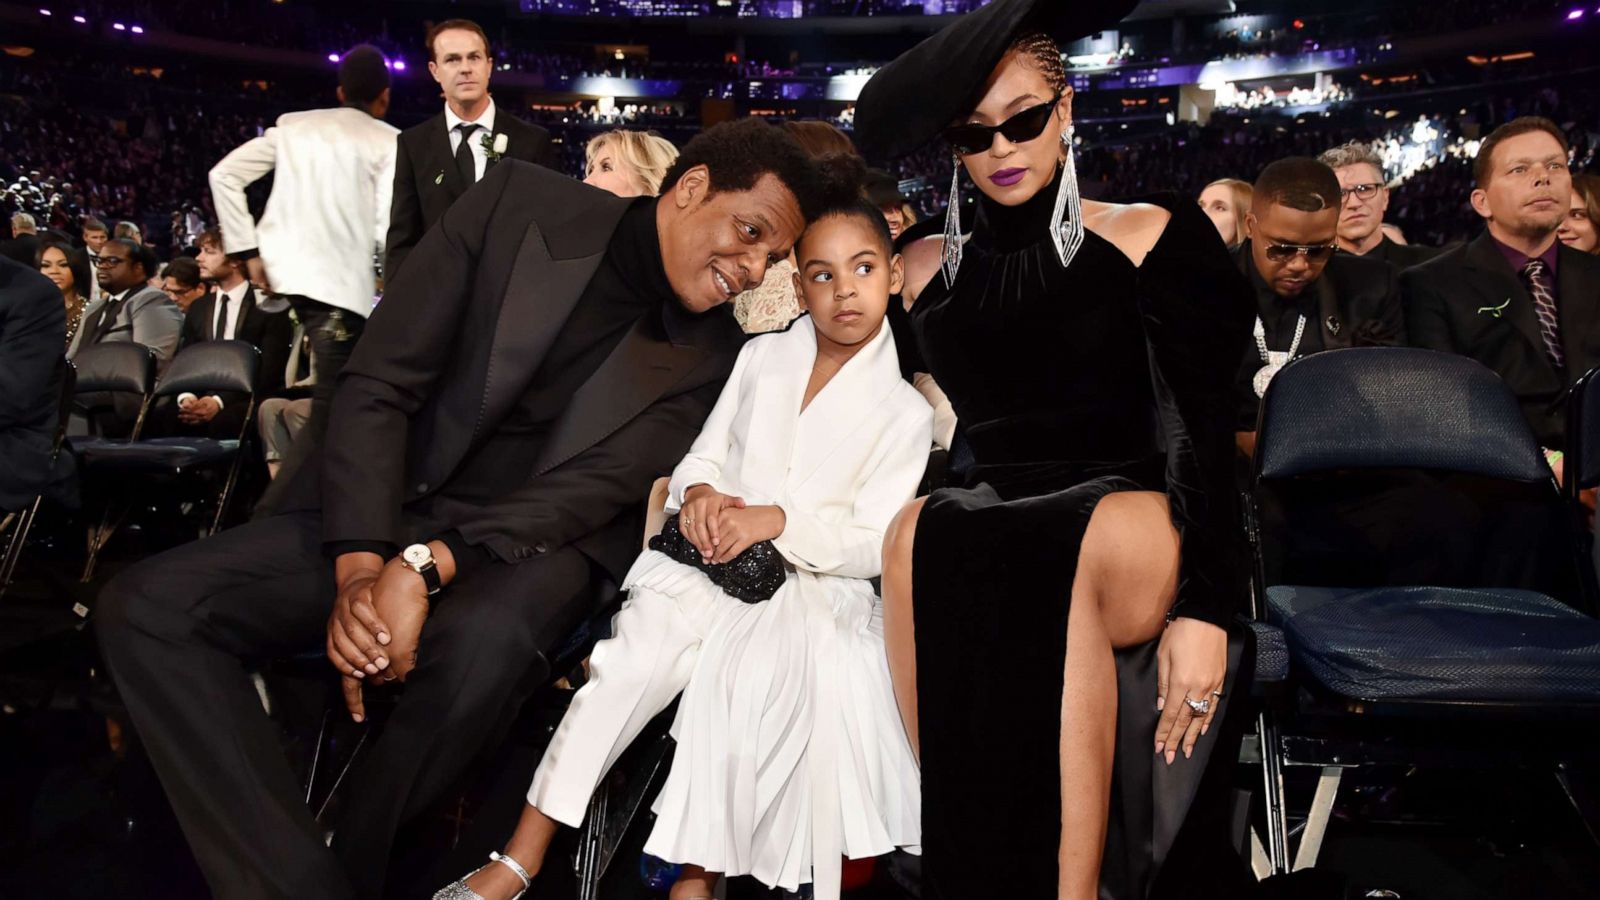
<point x="1071" y="383"/>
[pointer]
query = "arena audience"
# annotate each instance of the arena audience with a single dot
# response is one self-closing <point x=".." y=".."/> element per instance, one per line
<point x="1516" y="299"/>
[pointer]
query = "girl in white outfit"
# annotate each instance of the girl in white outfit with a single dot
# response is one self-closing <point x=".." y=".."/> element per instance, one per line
<point x="791" y="751"/>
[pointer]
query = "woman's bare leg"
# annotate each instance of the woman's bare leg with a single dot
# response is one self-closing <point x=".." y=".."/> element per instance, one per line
<point x="527" y="846"/>
<point x="694" y="884"/>
<point x="1126" y="577"/>
<point x="899" y="638"/>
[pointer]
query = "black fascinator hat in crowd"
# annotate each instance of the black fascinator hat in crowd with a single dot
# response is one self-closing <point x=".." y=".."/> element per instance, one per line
<point x="910" y="101"/>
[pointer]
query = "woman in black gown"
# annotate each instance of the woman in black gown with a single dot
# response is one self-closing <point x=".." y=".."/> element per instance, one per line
<point x="1090" y="573"/>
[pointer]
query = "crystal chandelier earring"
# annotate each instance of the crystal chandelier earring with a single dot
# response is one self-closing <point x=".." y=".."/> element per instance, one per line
<point x="1066" y="221"/>
<point x="950" y="255"/>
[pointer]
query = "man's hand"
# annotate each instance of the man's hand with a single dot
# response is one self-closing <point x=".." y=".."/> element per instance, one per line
<point x="739" y="527"/>
<point x="699" y="520"/>
<point x="356" y="635"/>
<point x="198" y="410"/>
<point x="401" y="599"/>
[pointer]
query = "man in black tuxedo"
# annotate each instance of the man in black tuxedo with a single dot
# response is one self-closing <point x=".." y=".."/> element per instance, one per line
<point x="1364" y="198"/>
<point x="551" y="351"/>
<point x="1308" y="297"/>
<point x="439" y="159"/>
<point x="1516" y="299"/>
<point x="227" y="313"/>
<point x="33" y="331"/>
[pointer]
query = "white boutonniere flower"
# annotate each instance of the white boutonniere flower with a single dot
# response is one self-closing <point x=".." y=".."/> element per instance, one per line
<point x="494" y="146"/>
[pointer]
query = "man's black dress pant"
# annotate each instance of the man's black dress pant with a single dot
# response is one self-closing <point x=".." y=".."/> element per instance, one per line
<point x="181" y="632"/>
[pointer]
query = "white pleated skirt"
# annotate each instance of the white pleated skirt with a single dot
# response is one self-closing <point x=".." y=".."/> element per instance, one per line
<point x="789" y="740"/>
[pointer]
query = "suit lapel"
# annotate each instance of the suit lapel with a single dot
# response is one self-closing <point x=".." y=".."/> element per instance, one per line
<point x="539" y="299"/>
<point x="635" y="375"/>
<point x="1329" y="314"/>
<point x="443" y="160"/>
<point x="1499" y="288"/>
<point x="248" y="317"/>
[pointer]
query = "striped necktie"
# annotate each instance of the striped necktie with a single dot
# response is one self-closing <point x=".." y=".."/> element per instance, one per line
<point x="1537" y="274"/>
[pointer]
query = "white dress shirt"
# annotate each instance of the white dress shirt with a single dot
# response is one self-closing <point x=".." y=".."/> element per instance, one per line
<point x="480" y="156"/>
<point x="328" y="215"/>
<point x="230" y="326"/>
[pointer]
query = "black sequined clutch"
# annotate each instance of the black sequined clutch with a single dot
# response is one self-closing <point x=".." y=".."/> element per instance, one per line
<point x="753" y="576"/>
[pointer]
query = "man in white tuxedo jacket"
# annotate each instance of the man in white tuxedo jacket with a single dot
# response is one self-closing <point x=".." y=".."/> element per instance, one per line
<point x="325" y="223"/>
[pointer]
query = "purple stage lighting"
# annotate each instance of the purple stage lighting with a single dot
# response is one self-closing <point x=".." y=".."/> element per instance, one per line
<point x="333" y="57"/>
<point x="80" y="20"/>
<point x="119" y="26"/>
<point x="137" y="29"/>
<point x="1575" y="14"/>
<point x="43" y="11"/>
<point x="399" y="65"/>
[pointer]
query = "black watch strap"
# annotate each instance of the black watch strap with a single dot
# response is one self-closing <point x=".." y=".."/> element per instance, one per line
<point x="430" y="578"/>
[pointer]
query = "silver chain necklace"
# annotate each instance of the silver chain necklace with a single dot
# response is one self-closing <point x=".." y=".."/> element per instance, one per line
<point x="1274" y="360"/>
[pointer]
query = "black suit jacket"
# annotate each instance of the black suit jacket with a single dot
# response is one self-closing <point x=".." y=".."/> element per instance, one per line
<point x="455" y="345"/>
<point x="1470" y="301"/>
<point x="426" y="181"/>
<point x="1358" y="305"/>
<point x="33" y="333"/>
<point x="271" y="333"/>
<point x="22" y="248"/>
<point x="1401" y="256"/>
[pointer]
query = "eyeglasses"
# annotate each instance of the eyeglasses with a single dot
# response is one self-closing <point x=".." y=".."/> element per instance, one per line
<point x="1312" y="252"/>
<point x="1362" y="191"/>
<point x="1024" y="126"/>
<point x="106" y="261"/>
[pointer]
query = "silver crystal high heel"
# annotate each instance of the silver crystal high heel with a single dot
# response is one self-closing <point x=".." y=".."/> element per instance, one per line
<point x="458" y="890"/>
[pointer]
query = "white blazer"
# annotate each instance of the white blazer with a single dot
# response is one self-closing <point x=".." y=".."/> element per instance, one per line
<point x="840" y="470"/>
<point x="325" y="223"/>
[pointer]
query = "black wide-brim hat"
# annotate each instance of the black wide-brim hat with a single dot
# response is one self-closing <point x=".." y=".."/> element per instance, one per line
<point x="910" y="101"/>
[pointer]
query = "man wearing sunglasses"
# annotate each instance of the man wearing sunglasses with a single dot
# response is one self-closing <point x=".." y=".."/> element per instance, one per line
<point x="1364" y="198"/>
<point x="1308" y="297"/>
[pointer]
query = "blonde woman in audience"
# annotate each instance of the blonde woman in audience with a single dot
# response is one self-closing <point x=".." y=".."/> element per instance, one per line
<point x="1580" y="230"/>
<point x="628" y="163"/>
<point x="1227" y="201"/>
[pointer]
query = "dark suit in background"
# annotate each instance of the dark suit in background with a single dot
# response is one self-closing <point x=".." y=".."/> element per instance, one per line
<point x="1355" y="303"/>
<point x="1470" y="301"/>
<point x="23" y="248"/>
<point x="1401" y="256"/>
<point x="446" y="426"/>
<point x="426" y="180"/>
<point x="33" y="335"/>
<point x="268" y="332"/>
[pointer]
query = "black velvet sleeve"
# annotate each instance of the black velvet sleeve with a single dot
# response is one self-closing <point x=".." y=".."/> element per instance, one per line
<point x="1197" y="311"/>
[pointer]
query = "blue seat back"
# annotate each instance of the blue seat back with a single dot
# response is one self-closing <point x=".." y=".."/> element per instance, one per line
<point x="211" y="367"/>
<point x="116" y="367"/>
<point x="1583" y="431"/>
<point x="1394" y="408"/>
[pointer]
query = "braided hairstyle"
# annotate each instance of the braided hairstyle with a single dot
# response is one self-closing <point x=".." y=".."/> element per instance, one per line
<point x="1040" y="51"/>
